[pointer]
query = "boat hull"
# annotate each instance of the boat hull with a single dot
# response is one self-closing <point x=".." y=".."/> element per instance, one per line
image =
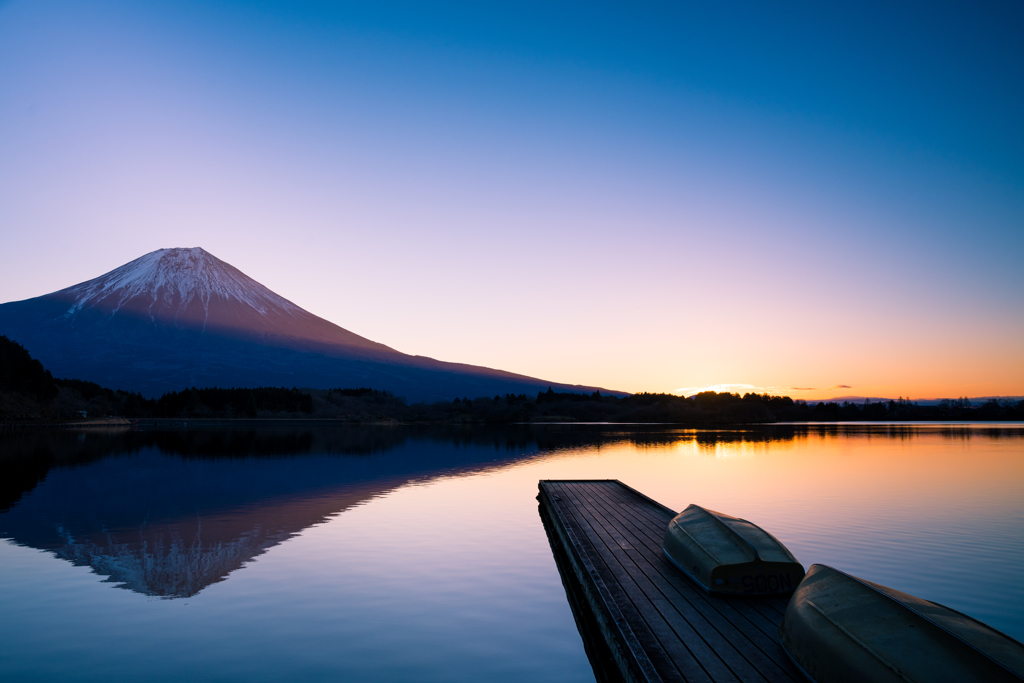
<point x="729" y="556"/>
<point x="840" y="629"/>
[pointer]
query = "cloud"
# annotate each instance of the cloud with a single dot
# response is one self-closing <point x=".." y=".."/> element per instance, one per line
<point x="840" y="386"/>
<point x="802" y="389"/>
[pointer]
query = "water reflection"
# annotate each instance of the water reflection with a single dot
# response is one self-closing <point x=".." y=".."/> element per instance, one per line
<point x="191" y="506"/>
<point x="417" y="554"/>
<point x="168" y="512"/>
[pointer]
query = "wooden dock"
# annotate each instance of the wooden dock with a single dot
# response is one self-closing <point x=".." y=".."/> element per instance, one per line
<point x="641" y="619"/>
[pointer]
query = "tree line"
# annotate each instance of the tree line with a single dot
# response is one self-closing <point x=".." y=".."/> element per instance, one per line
<point x="28" y="392"/>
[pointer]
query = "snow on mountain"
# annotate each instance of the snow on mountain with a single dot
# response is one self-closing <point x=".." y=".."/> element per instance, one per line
<point x="175" y="278"/>
<point x="176" y="318"/>
<point x="193" y="289"/>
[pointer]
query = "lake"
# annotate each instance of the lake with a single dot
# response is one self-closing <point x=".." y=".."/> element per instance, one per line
<point x="315" y="553"/>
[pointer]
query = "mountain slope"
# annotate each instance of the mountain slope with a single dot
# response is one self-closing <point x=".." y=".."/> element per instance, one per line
<point x="176" y="318"/>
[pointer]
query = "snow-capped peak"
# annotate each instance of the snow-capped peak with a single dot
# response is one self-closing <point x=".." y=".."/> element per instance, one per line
<point x="177" y="277"/>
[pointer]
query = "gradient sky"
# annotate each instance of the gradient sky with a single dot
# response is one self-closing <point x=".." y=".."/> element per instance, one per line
<point x="818" y="201"/>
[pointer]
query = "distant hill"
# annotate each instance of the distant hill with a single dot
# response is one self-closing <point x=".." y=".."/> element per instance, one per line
<point x="921" y="402"/>
<point x="177" y="318"/>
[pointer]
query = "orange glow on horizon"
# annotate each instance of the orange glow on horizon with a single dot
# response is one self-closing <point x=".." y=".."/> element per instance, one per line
<point x="814" y="395"/>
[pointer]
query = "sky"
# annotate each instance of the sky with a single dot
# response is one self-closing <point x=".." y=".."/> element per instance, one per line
<point x="810" y="200"/>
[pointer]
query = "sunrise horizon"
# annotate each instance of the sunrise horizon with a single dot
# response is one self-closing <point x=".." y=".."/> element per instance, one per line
<point x="835" y="393"/>
<point x="648" y="199"/>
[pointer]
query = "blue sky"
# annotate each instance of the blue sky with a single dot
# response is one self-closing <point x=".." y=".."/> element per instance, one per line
<point x="641" y="196"/>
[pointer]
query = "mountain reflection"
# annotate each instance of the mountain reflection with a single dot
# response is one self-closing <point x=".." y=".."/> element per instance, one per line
<point x="167" y="512"/>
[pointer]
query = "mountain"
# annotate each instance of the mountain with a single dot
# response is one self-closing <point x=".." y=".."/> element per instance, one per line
<point x="176" y="318"/>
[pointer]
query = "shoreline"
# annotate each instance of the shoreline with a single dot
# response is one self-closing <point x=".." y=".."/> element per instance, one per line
<point x="133" y="423"/>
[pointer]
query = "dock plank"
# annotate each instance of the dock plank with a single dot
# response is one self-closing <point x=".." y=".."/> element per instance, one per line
<point x="613" y="615"/>
<point x="737" y="610"/>
<point x="685" y="661"/>
<point x="655" y="622"/>
<point x="764" y="613"/>
<point x="745" y="658"/>
<point x="765" y="619"/>
<point x="734" y="637"/>
<point x="679" y="631"/>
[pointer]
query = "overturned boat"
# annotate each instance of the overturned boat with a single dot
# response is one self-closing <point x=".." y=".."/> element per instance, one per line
<point x="730" y="555"/>
<point x="839" y="628"/>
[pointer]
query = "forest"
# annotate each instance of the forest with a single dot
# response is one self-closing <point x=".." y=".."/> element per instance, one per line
<point x="30" y="394"/>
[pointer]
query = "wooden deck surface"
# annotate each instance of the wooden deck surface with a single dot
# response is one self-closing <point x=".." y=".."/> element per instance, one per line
<point x="644" y="619"/>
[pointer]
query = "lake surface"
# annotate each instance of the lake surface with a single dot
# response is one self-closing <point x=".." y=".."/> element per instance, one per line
<point x="394" y="554"/>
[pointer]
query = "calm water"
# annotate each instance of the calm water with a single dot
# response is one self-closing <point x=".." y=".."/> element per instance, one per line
<point x="390" y="554"/>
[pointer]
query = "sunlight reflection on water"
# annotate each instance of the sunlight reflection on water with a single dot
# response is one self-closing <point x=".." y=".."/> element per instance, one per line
<point x="405" y="555"/>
